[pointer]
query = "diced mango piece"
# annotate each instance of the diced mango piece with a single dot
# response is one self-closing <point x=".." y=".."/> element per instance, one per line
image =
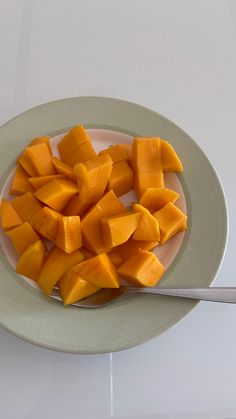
<point x="92" y="238"/>
<point x="63" y="169"/>
<point x="171" y="221"/>
<point x="56" y="193"/>
<point x="147" y="154"/>
<point x="91" y="227"/>
<point x="73" y="288"/>
<point x="92" y="178"/>
<point x="121" y="180"/>
<point x="45" y="222"/>
<point x="31" y="261"/>
<point x="68" y="237"/>
<point x="144" y="180"/>
<point x="128" y="149"/>
<point x="130" y="247"/>
<point x="75" y="206"/>
<point x="76" y="147"/>
<point x="170" y="159"/>
<point x="118" y="229"/>
<point x="22" y="237"/>
<point x="9" y="217"/>
<point x="98" y="270"/>
<point x="115" y="257"/>
<point x="20" y="182"/>
<point x="116" y="152"/>
<point x="23" y="160"/>
<point x="81" y="173"/>
<point x="40" y="140"/>
<point x="156" y="198"/>
<point x="143" y="269"/>
<point x="86" y="253"/>
<point x="40" y="158"/>
<point x="56" y="265"/>
<point x="26" y="165"/>
<point x="148" y="227"/>
<point x="39" y="181"/>
<point x="147" y="164"/>
<point x="26" y="206"/>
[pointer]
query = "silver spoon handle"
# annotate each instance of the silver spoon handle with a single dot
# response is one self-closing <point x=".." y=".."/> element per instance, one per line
<point x="217" y="294"/>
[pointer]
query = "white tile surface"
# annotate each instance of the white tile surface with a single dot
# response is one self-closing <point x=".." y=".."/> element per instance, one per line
<point x="187" y="369"/>
<point x="179" y="58"/>
<point x="38" y="383"/>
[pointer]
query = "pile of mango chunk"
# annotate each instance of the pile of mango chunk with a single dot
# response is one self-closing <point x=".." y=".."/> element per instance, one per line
<point x="68" y="225"/>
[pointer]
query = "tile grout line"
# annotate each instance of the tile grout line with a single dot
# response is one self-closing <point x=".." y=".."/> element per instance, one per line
<point x="111" y="386"/>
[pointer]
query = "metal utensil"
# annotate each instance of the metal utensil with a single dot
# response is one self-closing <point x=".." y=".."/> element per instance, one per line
<point x="109" y="295"/>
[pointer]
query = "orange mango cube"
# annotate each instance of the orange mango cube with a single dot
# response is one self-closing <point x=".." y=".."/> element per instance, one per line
<point x="75" y="206"/>
<point x="9" y="217"/>
<point x="92" y="178"/>
<point x="143" y="269"/>
<point x="115" y="257"/>
<point x="171" y="221"/>
<point x="40" y="159"/>
<point x="91" y="227"/>
<point x="20" y="182"/>
<point x="147" y="164"/>
<point x="76" y="147"/>
<point x="40" y="140"/>
<point x="99" y="271"/>
<point x="26" y="206"/>
<point x="130" y="247"/>
<point x="116" y="152"/>
<point x="144" y="180"/>
<point x="63" y="169"/>
<point x="26" y="165"/>
<point x="56" y="193"/>
<point x="86" y="253"/>
<point x="74" y="288"/>
<point x="68" y="236"/>
<point x="118" y="229"/>
<point x="31" y="261"/>
<point x="121" y="179"/>
<point x="55" y="266"/>
<point x="148" y="227"/>
<point x="170" y="159"/>
<point x="38" y="181"/>
<point x="22" y="237"/>
<point x="156" y="198"/>
<point x="45" y="222"/>
<point x="128" y="149"/>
